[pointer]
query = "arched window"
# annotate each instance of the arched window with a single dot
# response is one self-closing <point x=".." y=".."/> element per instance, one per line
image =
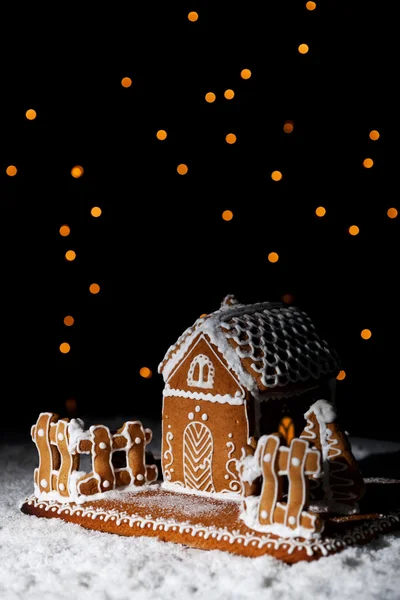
<point x="201" y="372"/>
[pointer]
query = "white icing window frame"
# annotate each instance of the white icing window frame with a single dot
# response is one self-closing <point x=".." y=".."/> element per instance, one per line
<point x="201" y="360"/>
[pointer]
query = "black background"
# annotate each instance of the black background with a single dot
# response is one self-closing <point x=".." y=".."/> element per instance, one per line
<point x="160" y="251"/>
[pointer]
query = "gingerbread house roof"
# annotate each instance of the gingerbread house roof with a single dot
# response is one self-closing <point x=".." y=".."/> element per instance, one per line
<point x="268" y="345"/>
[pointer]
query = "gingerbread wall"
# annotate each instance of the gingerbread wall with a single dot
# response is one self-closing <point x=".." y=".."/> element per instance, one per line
<point x="205" y="422"/>
<point x="200" y="443"/>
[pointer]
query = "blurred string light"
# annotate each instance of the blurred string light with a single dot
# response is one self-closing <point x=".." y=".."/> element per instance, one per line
<point x="311" y="5"/>
<point x="126" y="82"/>
<point x="69" y="320"/>
<point x="11" y="170"/>
<point x="210" y="97"/>
<point x="368" y="163"/>
<point x="341" y="375"/>
<point x="193" y="16"/>
<point x="273" y="257"/>
<point x="276" y="175"/>
<point x="145" y="372"/>
<point x="288" y="126"/>
<point x="70" y="255"/>
<point x="64" y="230"/>
<point x="227" y="215"/>
<point x="392" y="213"/>
<point x="95" y="211"/>
<point x="303" y="48"/>
<point x="230" y="138"/>
<point x="354" y="230"/>
<point x="94" y="288"/>
<point x="288" y="298"/>
<point x="161" y="135"/>
<point x="374" y="135"/>
<point x="31" y="114"/>
<point x="64" y="348"/>
<point x="182" y="169"/>
<point x="77" y="171"/>
<point x="70" y="405"/>
<point x="366" y="334"/>
<point x="320" y="211"/>
<point x="245" y="73"/>
<point x="229" y="94"/>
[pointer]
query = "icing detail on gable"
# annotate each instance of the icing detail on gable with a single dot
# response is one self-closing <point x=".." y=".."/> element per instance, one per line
<point x="225" y="399"/>
<point x="205" y="372"/>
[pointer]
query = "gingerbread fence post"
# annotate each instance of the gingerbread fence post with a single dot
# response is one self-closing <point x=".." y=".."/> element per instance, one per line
<point x="102" y="478"/>
<point x="274" y="460"/>
<point x="59" y="436"/>
<point x="271" y="490"/>
<point x="297" y="462"/>
<point x="133" y="438"/>
<point x="49" y="457"/>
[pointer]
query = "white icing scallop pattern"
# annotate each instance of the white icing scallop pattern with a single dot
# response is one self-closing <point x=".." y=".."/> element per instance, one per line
<point x="281" y="342"/>
<point x="324" y="546"/>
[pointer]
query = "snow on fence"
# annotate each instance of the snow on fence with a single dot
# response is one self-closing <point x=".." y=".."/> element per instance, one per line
<point x="262" y="468"/>
<point x="60" y="442"/>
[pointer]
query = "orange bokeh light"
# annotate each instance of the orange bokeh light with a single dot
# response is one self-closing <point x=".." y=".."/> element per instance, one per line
<point x="64" y="230"/>
<point x="126" y="82"/>
<point x="145" y="372"/>
<point x="303" y="48"/>
<point x="95" y="211"/>
<point x="368" y="163"/>
<point x="354" y="230"/>
<point x="366" y="334"/>
<point x="70" y="255"/>
<point x="161" y="134"/>
<point x="245" y="73"/>
<point x="276" y="175"/>
<point x="11" y="170"/>
<point x="273" y="257"/>
<point x="30" y="114"/>
<point x="94" y="288"/>
<point x="77" y="171"/>
<point x="182" y="169"/>
<point x="227" y="215"/>
<point x="69" y="320"/>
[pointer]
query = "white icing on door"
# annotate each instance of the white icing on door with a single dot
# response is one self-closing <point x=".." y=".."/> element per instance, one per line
<point x="201" y="372"/>
<point x="197" y="457"/>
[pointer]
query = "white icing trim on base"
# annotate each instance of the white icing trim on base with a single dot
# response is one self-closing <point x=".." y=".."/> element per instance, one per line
<point x="178" y="486"/>
<point x="324" y="546"/>
<point x="225" y="399"/>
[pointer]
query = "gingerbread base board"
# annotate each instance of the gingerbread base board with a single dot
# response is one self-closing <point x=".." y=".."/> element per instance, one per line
<point x="208" y="523"/>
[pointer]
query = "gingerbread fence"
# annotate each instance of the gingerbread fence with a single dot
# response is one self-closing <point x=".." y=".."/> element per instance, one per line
<point x="263" y="468"/>
<point x="60" y="442"/>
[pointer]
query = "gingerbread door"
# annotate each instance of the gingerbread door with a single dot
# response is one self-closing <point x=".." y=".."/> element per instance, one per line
<point x="197" y="457"/>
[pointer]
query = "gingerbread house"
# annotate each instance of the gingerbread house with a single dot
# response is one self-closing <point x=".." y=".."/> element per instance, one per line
<point x="254" y="460"/>
<point x="241" y="372"/>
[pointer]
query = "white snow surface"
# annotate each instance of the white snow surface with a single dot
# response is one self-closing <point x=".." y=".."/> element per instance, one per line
<point x="49" y="559"/>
